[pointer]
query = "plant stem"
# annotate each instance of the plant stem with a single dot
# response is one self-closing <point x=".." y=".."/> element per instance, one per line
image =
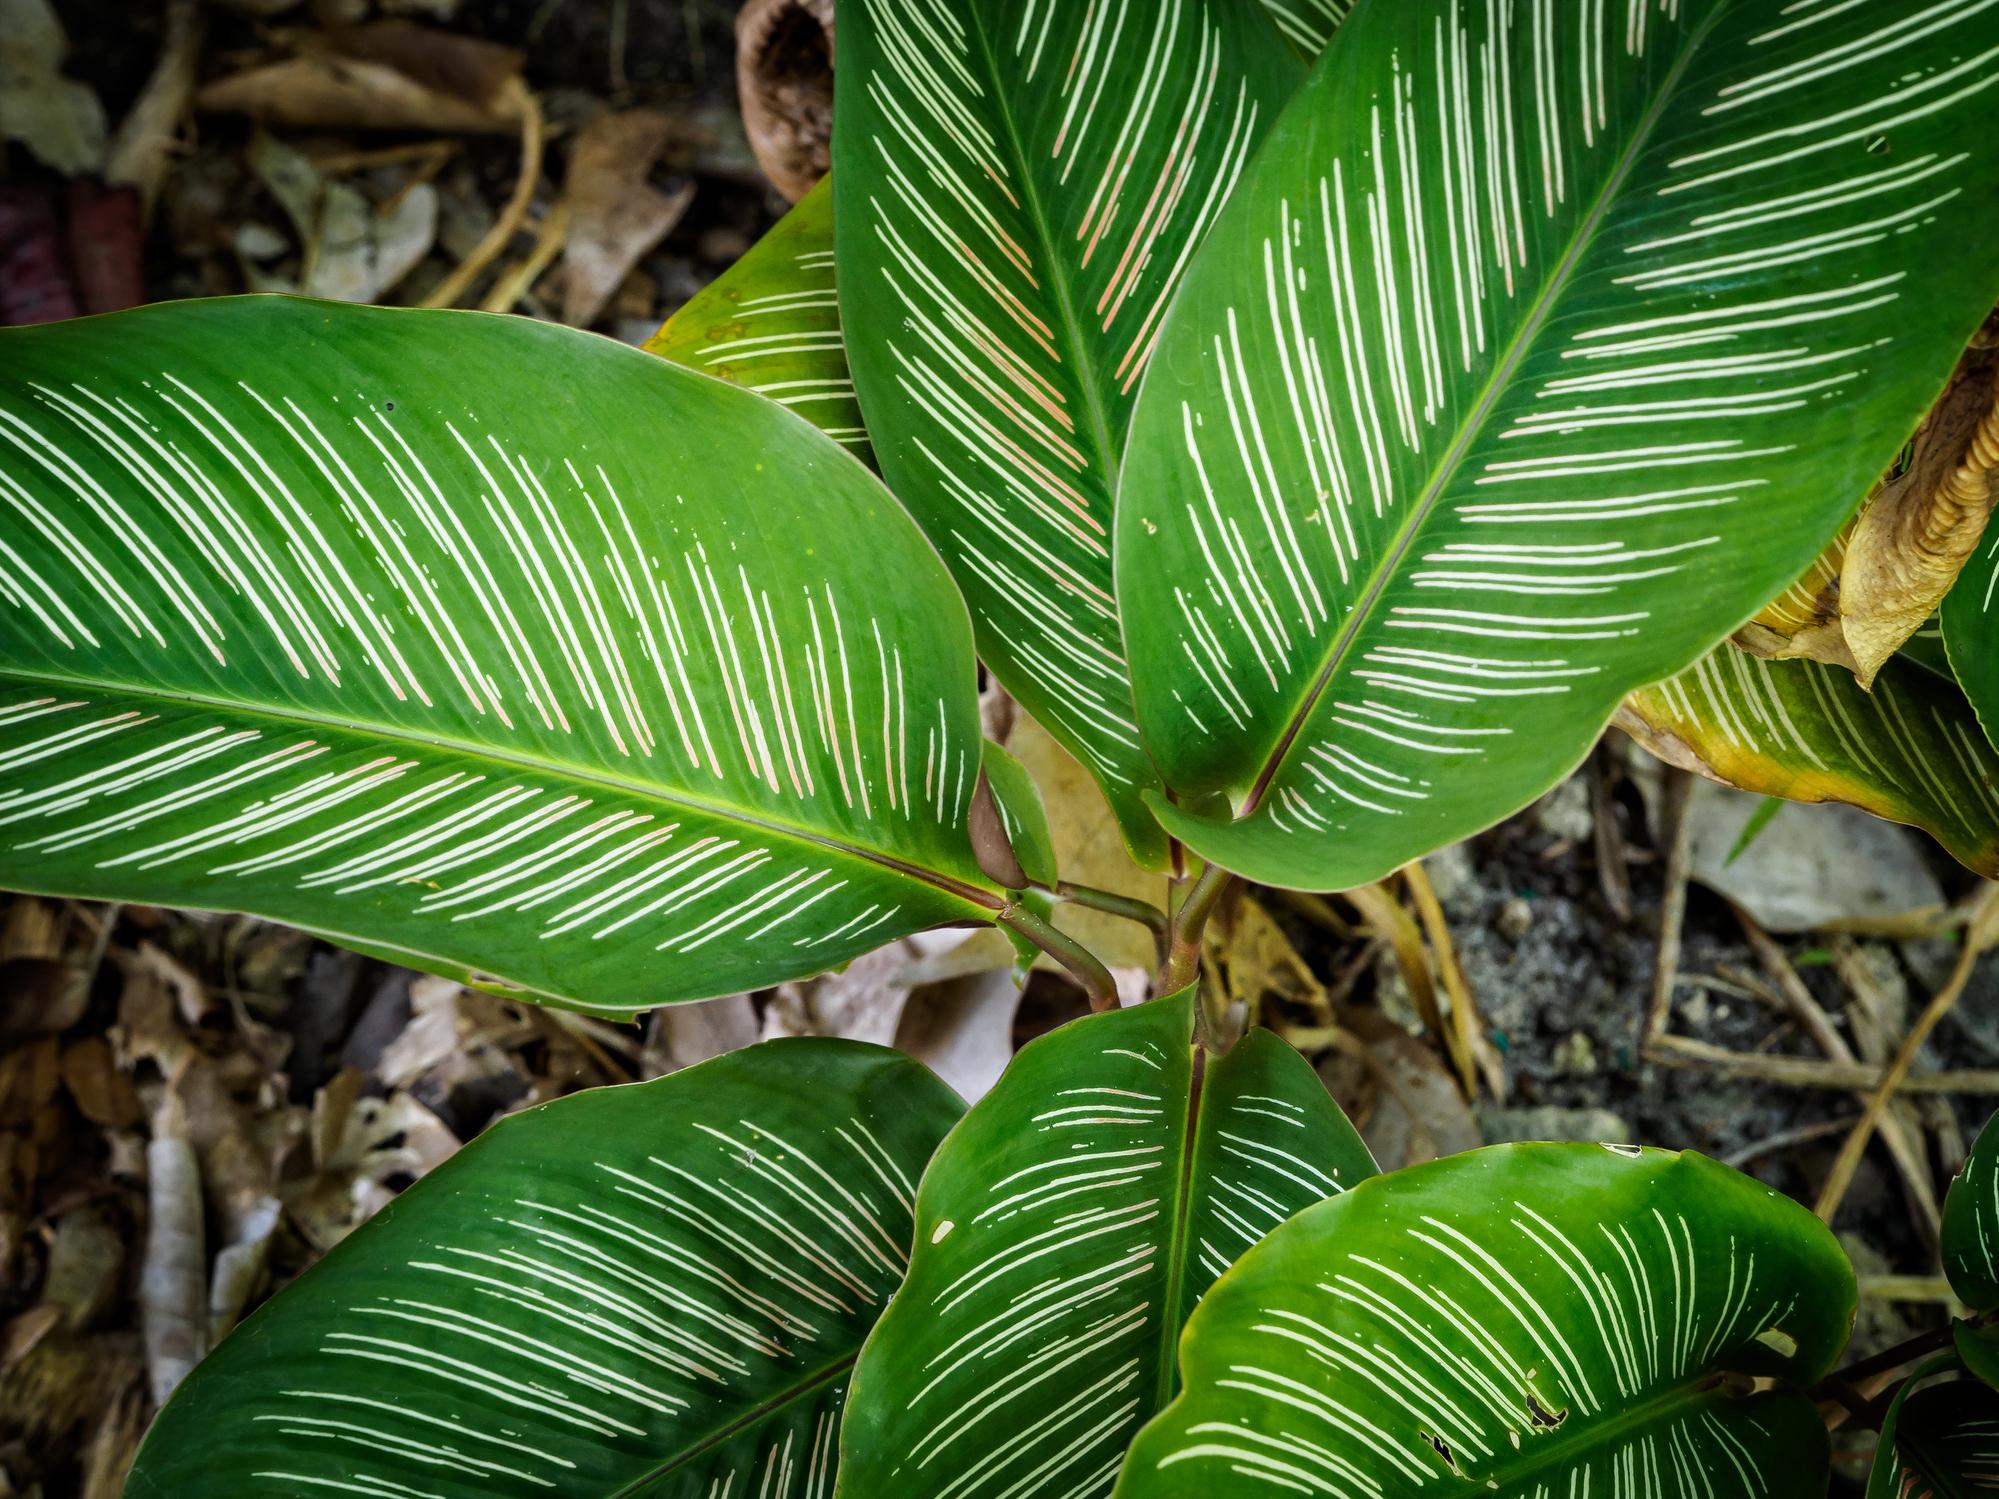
<point x="1183" y="946"/>
<point x="1082" y="964"/>
<point x="1111" y="903"/>
<point x="1934" y="1341"/>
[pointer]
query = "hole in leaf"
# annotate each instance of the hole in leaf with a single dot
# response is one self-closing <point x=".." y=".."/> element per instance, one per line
<point x="1543" y="1418"/>
<point x="1443" y="1450"/>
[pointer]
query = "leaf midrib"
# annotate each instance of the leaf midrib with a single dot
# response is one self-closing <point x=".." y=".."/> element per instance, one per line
<point x="1674" y="1400"/>
<point x="1171" y="1322"/>
<point x="1055" y="274"/>
<point x="1474" y="424"/>
<point x="827" y="1373"/>
<point x="594" y="776"/>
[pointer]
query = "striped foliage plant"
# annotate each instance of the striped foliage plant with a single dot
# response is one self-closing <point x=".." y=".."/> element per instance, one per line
<point x="1321" y="417"/>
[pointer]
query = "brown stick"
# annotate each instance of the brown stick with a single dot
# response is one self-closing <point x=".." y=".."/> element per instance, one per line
<point x="1673" y="905"/>
<point x="447" y="292"/>
<point x="1804" y="1072"/>
<point x="1904" y="1142"/>
<point x="1977" y="937"/>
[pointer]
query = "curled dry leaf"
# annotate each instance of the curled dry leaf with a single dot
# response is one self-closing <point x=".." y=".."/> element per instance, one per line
<point x="1888" y="568"/>
<point x="784" y="75"/>
<point x="616" y="215"/>
<point x="391" y="75"/>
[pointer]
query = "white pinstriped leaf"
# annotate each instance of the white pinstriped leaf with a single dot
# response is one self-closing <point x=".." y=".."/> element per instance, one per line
<point x="1308" y="24"/>
<point x="1021" y="184"/>
<point x="1521" y="1322"/>
<point x="1065" y="1229"/>
<point x="1541" y="343"/>
<point x="1970" y="624"/>
<point x="1940" y="1442"/>
<point x="656" y="1290"/>
<point x="1971" y="1225"/>
<point x="771" y="323"/>
<point x="1909" y="750"/>
<point x="482" y="643"/>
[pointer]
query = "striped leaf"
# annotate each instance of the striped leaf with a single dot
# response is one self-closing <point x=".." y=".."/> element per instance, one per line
<point x="484" y="644"/>
<point x="1308" y="25"/>
<point x="1941" y="1442"/>
<point x="771" y="323"/>
<point x="1542" y="342"/>
<point x="1522" y="1322"/>
<point x="1022" y="184"/>
<point x="1023" y="815"/>
<point x="1970" y="617"/>
<point x="1065" y="1230"/>
<point x="1909" y="750"/>
<point x="657" y="1289"/>
<point x="1971" y="1225"/>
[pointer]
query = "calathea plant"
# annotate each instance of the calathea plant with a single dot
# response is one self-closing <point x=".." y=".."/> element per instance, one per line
<point x="1322" y="446"/>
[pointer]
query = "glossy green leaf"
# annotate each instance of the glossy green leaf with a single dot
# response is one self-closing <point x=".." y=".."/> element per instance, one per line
<point x="1927" y="650"/>
<point x="1064" y="1231"/>
<point x="1970" y="621"/>
<point x="1023" y="814"/>
<point x="480" y="643"/>
<point x="652" y="1290"/>
<point x="771" y="323"/>
<point x="1540" y="344"/>
<point x="1521" y="1322"/>
<point x="1308" y="25"/>
<point x="1978" y="1349"/>
<point x="1971" y="1224"/>
<point x="1909" y="750"/>
<point x="1021" y="186"/>
<point x="1941" y="1442"/>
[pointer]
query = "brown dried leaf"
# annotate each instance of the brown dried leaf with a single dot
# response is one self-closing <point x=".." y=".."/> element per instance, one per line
<point x="1889" y="568"/>
<point x="784" y="77"/>
<point x="616" y="215"/>
<point x="389" y="76"/>
<point x="103" y="1093"/>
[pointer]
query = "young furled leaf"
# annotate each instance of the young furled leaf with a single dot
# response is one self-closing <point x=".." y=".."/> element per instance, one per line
<point x="478" y="643"/>
<point x="655" y="1289"/>
<point x="1909" y="750"/>
<point x="1021" y="184"/>
<point x="1519" y="1321"/>
<point x="1065" y="1230"/>
<point x="1540" y="344"/>
<point x="771" y="323"/>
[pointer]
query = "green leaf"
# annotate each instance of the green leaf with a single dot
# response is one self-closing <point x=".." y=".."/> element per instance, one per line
<point x="1909" y="750"/>
<point x="1941" y="1442"/>
<point x="655" y="1289"/>
<point x="1308" y="24"/>
<point x="1021" y="188"/>
<point x="1926" y="648"/>
<point x="1518" y="1322"/>
<point x="1970" y="620"/>
<point x="1540" y="344"/>
<point x="1971" y="1224"/>
<point x="771" y="323"/>
<point x="476" y="642"/>
<point x="1765" y="814"/>
<point x="1064" y="1231"/>
<point x="1022" y="814"/>
<point x="1978" y="1349"/>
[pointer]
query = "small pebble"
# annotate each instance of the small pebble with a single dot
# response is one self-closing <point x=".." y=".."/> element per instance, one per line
<point x="1514" y="918"/>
